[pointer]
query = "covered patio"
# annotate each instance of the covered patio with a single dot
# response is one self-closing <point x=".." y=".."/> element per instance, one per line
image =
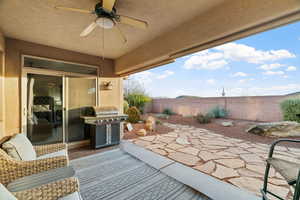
<point x="58" y="60"/>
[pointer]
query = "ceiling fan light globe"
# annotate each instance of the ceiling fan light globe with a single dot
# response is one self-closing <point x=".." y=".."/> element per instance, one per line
<point x="105" y="23"/>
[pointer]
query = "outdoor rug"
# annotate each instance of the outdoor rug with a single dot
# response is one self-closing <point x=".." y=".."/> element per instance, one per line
<point x="119" y="176"/>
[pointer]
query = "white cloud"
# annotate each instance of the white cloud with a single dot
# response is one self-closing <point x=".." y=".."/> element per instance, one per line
<point x="271" y="66"/>
<point x="165" y="74"/>
<point x="246" y="80"/>
<point x="240" y="74"/>
<point x="273" y="73"/>
<point x="205" y="60"/>
<point x="211" y="81"/>
<point x="219" y="57"/>
<point x="291" y="68"/>
<point x="241" y="52"/>
<point x="144" y="77"/>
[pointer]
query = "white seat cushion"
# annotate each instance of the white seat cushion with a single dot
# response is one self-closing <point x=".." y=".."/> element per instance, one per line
<point x="5" y="194"/>
<point x="20" y="148"/>
<point x="63" y="152"/>
<point x="73" y="196"/>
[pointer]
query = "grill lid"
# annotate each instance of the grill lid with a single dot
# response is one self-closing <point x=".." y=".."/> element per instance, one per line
<point x="105" y="110"/>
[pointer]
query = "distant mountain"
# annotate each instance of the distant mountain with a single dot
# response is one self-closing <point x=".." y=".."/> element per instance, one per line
<point x="187" y="96"/>
<point x="293" y="94"/>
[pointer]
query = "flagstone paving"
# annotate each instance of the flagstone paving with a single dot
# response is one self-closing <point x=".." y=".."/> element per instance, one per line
<point x="235" y="161"/>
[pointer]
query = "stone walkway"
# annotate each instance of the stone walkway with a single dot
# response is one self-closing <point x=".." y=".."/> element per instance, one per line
<point x="235" y="161"/>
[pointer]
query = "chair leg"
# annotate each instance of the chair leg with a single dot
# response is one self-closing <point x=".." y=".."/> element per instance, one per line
<point x="297" y="188"/>
<point x="264" y="190"/>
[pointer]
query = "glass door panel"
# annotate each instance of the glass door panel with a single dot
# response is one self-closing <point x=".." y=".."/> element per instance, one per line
<point x="44" y="109"/>
<point x="81" y="95"/>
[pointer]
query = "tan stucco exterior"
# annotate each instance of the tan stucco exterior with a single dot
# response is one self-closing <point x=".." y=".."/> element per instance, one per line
<point x="112" y="97"/>
<point x="2" y="103"/>
<point x="12" y="76"/>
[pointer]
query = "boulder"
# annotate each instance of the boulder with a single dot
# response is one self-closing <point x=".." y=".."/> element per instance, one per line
<point x="182" y="141"/>
<point x="276" y="129"/>
<point x="141" y="132"/>
<point x="227" y="123"/>
<point x="150" y="123"/>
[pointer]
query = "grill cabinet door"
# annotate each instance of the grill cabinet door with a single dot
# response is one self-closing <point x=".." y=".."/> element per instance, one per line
<point x="115" y="133"/>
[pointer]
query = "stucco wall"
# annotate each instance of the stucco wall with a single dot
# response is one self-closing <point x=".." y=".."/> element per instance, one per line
<point x="2" y="48"/>
<point x="12" y="89"/>
<point x="260" y="108"/>
<point x="112" y="97"/>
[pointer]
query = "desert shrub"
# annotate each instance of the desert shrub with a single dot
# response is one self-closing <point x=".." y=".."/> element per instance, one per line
<point x="203" y="119"/>
<point x="290" y="109"/>
<point x="125" y="106"/>
<point x="137" y="100"/>
<point x="168" y="111"/>
<point x="158" y="122"/>
<point x="134" y="115"/>
<point x="218" y="112"/>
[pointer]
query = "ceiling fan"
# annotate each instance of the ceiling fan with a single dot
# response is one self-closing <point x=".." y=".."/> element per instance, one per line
<point x="107" y="18"/>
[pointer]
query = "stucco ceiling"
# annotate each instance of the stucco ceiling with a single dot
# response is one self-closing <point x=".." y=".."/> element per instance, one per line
<point x="37" y="21"/>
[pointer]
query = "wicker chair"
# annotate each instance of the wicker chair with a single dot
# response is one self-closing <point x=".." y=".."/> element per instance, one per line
<point x="289" y="170"/>
<point x="42" y="150"/>
<point x="11" y="169"/>
<point x="62" y="189"/>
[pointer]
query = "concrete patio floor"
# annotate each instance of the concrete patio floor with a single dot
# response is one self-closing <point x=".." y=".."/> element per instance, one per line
<point x="234" y="161"/>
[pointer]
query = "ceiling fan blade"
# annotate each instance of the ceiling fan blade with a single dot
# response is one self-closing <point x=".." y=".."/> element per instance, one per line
<point x="74" y="9"/>
<point x="88" y="29"/>
<point x="108" y="4"/>
<point x="133" y="22"/>
<point x="120" y="33"/>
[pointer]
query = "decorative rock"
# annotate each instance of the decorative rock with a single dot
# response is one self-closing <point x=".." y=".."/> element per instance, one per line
<point x="141" y="132"/>
<point x="182" y="141"/>
<point x="184" y="158"/>
<point x="278" y="129"/>
<point x="224" y="172"/>
<point x="227" y="124"/>
<point x="150" y="123"/>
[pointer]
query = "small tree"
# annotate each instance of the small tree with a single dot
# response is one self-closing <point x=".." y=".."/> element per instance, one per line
<point x="291" y="109"/>
<point x="135" y="94"/>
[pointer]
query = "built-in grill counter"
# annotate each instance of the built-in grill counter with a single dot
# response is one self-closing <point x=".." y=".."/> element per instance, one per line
<point x="103" y="124"/>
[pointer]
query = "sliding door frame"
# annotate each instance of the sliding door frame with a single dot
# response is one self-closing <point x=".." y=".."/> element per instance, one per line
<point x="64" y="75"/>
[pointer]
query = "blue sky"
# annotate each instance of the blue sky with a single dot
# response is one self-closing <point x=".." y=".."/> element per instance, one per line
<point x="262" y="64"/>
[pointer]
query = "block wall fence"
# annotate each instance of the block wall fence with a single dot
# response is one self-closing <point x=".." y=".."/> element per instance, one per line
<point x="257" y="108"/>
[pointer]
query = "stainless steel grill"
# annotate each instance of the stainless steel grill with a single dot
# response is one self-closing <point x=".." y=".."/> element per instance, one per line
<point x="104" y="126"/>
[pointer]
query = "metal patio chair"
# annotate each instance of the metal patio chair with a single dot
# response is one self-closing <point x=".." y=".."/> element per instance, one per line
<point x="289" y="170"/>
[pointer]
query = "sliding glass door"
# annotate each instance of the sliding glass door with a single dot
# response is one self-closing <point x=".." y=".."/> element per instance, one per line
<point x="56" y="94"/>
<point x="44" y="108"/>
<point x="81" y="96"/>
<point x="55" y="105"/>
